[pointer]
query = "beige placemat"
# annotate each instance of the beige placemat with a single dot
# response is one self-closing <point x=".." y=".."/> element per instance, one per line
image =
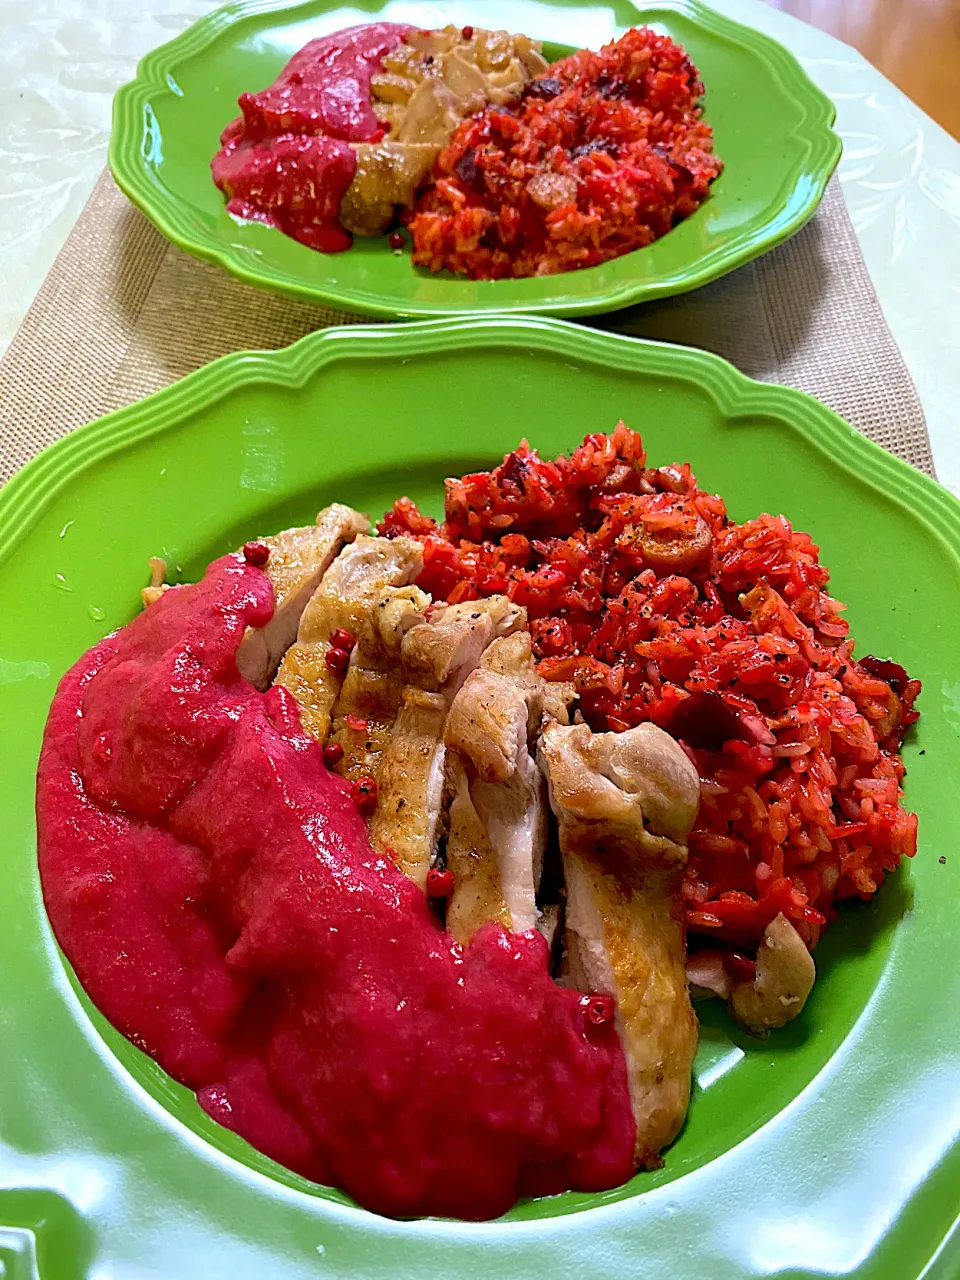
<point x="123" y="313"/>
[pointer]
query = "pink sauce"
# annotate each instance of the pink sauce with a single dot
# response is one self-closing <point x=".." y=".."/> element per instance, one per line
<point x="216" y="893"/>
<point x="285" y="161"/>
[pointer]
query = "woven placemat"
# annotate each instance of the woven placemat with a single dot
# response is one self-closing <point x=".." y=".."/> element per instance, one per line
<point x="123" y="313"/>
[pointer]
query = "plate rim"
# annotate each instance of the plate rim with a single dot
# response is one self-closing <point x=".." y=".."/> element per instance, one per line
<point x="822" y="155"/>
<point x="30" y="489"/>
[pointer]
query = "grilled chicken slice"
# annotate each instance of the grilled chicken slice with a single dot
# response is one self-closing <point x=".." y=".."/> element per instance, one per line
<point x="437" y="655"/>
<point x="406" y="823"/>
<point x="625" y="804"/>
<point x="298" y="560"/>
<point x="441" y="652"/>
<point x="372" y="688"/>
<point x="343" y="600"/>
<point x="497" y="826"/>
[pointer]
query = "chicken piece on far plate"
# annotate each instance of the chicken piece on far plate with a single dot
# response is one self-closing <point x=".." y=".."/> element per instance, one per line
<point x="372" y="689"/>
<point x="437" y="655"/>
<point x="343" y="600"/>
<point x="625" y="803"/>
<point x="497" y="829"/>
<point x="298" y="560"/>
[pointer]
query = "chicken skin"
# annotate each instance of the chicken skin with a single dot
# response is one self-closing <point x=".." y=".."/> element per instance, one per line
<point x="372" y="689"/>
<point x="437" y="655"/>
<point x="298" y="560"/>
<point x="343" y="600"/>
<point x="625" y="803"/>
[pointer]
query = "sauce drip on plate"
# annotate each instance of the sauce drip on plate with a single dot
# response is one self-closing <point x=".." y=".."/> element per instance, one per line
<point x="214" y="888"/>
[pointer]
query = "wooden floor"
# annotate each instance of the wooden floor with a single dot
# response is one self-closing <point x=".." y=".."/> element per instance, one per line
<point x="915" y="43"/>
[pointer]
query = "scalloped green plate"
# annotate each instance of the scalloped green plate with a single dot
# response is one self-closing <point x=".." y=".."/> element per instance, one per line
<point x="772" y="128"/>
<point x="829" y="1149"/>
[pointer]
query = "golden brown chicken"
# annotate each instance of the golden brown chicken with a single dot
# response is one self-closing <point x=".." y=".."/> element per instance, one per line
<point x="343" y="600"/>
<point x="370" y="696"/>
<point x="406" y="822"/>
<point x="625" y="803"/>
<point x="497" y="828"/>
<point x="425" y="88"/>
<point x="442" y="651"/>
<point x="437" y="655"/>
<point x="298" y="560"/>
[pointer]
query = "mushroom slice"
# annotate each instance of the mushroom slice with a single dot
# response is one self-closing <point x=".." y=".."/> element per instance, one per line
<point x="625" y="804"/>
<point x="298" y="560"/>
<point x="785" y="977"/>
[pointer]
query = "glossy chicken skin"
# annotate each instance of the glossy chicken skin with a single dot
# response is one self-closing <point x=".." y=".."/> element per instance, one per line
<point x="406" y="822"/>
<point x="372" y="690"/>
<point x="437" y="655"/>
<point x="342" y="600"/>
<point x="497" y="828"/>
<point x="441" y="652"/>
<point x="298" y="560"/>
<point x="625" y="804"/>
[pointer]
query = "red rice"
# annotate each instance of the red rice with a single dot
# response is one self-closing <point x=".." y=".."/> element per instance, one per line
<point x="605" y="153"/>
<point x="658" y="607"/>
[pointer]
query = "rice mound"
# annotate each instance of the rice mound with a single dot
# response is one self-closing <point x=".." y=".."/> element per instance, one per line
<point x="656" y="606"/>
<point x="604" y="153"/>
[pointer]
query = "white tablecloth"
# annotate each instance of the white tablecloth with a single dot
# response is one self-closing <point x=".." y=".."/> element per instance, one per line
<point x="61" y="60"/>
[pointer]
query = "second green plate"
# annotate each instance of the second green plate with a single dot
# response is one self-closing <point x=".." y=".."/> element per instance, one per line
<point x="771" y="124"/>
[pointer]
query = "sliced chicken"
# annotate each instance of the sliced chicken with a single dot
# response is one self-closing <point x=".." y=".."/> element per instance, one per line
<point x="425" y="88"/>
<point x="406" y="823"/>
<point x="559" y="697"/>
<point x="442" y="651"/>
<point x="497" y="826"/>
<point x="625" y="804"/>
<point x="342" y="601"/>
<point x="372" y="688"/>
<point x="388" y="176"/>
<point x="298" y="560"/>
<point x="437" y="655"/>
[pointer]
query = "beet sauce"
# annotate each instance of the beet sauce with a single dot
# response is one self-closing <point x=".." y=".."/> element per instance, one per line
<point x="286" y="160"/>
<point x="215" y="890"/>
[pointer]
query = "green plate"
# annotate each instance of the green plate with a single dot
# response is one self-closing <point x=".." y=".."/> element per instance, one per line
<point x="829" y="1149"/>
<point x="772" y="129"/>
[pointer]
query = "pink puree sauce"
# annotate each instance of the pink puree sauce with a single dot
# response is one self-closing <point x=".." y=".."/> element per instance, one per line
<point x="216" y="893"/>
<point x="285" y="161"/>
